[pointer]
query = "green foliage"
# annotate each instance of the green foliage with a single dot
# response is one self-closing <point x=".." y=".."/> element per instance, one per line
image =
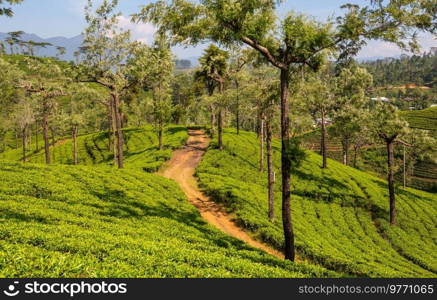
<point x="7" y="11"/>
<point x="340" y="214"/>
<point x="414" y="69"/>
<point x="64" y="221"/>
<point x="141" y="149"/>
<point x="295" y="153"/>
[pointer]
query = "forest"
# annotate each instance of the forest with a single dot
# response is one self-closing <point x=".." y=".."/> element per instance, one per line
<point x="279" y="155"/>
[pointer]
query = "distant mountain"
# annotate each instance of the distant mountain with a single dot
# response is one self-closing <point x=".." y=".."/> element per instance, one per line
<point x="70" y="44"/>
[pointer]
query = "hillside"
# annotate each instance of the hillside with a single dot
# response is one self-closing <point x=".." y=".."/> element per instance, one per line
<point x="422" y="119"/>
<point x="424" y="173"/>
<point x="65" y="221"/>
<point x="140" y="149"/>
<point x="340" y="214"/>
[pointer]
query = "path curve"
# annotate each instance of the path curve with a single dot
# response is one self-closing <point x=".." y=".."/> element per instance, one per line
<point x="181" y="168"/>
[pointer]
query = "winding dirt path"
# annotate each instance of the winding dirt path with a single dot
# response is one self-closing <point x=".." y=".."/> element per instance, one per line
<point x="181" y="168"/>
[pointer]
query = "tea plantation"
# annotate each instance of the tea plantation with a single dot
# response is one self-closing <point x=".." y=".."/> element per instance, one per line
<point x="79" y="221"/>
<point x="340" y="214"/>
<point x="423" y="119"/>
<point x="140" y="149"/>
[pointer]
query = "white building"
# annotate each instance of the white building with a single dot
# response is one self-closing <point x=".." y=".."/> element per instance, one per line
<point x="380" y="99"/>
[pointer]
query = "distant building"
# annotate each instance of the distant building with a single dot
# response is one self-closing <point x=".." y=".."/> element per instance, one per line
<point x="380" y="99"/>
<point x="411" y="108"/>
<point x="328" y="121"/>
<point x="433" y="105"/>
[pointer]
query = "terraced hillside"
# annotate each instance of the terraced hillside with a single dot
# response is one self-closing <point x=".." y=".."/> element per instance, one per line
<point x="78" y="221"/>
<point x="140" y="149"/>
<point x="340" y="214"/>
<point x="373" y="159"/>
<point x="423" y="119"/>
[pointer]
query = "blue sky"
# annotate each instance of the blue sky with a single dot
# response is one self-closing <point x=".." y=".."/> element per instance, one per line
<point x="49" y="18"/>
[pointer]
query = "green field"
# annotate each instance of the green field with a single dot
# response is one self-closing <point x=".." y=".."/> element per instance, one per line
<point x="140" y="149"/>
<point x="65" y="221"/>
<point x="340" y="214"/>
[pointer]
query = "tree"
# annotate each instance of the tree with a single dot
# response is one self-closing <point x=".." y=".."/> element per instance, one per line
<point x="319" y="99"/>
<point x="45" y="81"/>
<point x="388" y="126"/>
<point x="61" y="51"/>
<point x="14" y="38"/>
<point x="106" y="49"/>
<point x="159" y="77"/>
<point x="7" y="11"/>
<point x="214" y="71"/>
<point x="350" y="118"/>
<point x="77" y="110"/>
<point x="297" y="41"/>
<point x="418" y="145"/>
<point x="9" y="97"/>
<point x="24" y="116"/>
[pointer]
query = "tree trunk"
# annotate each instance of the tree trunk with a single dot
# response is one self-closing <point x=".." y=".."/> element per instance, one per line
<point x="356" y="150"/>
<point x="220" y="120"/>
<point x="270" y="175"/>
<point x="45" y="125"/>
<point x="16" y="138"/>
<point x="36" y="136"/>
<point x="75" y="130"/>
<point x="405" y="170"/>
<point x="53" y="143"/>
<point x="391" y="186"/>
<point x="118" y="131"/>
<point x="212" y="122"/>
<point x="113" y="130"/>
<point x="345" y="144"/>
<point x="261" y="135"/>
<point x="160" y="135"/>
<point x="24" y="136"/>
<point x="238" y="106"/>
<point x="110" y="127"/>
<point x="29" y="136"/>
<point x="286" y="168"/>
<point x="323" y="142"/>
<point x="220" y="128"/>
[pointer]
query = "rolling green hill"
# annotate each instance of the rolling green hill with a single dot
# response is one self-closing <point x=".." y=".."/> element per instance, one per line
<point x="79" y="221"/>
<point x="340" y="214"/>
<point x="140" y="149"/>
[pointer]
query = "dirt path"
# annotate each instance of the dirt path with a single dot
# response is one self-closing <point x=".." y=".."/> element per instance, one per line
<point x="181" y="168"/>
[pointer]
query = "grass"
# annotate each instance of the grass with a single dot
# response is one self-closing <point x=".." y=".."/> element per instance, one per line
<point x="340" y="214"/>
<point x="140" y="149"/>
<point x="80" y="221"/>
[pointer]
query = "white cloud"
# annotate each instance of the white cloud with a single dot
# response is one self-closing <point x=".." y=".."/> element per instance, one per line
<point x="139" y="31"/>
<point x="385" y="49"/>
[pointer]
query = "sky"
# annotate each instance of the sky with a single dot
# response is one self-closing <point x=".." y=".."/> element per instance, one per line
<point x="51" y="18"/>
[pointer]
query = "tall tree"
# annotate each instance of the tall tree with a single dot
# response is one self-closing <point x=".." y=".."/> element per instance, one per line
<point x="46" y="81"/>
<point x="349" y="119"/>
<point x="388" y="126"/>
<point x="214" y="68"/>
<point x="159" y="77"/>
<point x="106" y="49"/>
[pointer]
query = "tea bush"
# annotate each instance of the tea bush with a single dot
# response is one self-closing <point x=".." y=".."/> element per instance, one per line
<point x="340" y="214"/>
<point x="80" y="221"/>
<point x="141" y="149"/>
